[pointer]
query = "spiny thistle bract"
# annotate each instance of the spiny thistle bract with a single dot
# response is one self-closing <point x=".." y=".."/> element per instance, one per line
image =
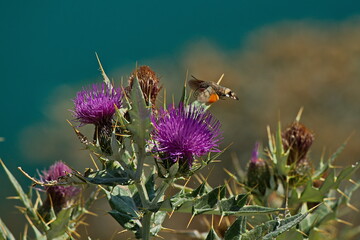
<point x="128" y="139"/>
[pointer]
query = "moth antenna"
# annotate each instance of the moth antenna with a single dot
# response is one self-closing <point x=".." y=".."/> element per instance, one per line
<point x="194" y="77"/>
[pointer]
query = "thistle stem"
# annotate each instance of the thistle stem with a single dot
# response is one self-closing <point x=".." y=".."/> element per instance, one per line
<point x="144" y="197"/>
<point x="140" y="164"/>
<point x="285" y="183"/>
<point x="146" y="222"/>
<point x="161" y="192"/>
<point x="287" y="212"/>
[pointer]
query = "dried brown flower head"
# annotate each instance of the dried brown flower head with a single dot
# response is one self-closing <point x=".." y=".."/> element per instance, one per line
<point x="298" y="139"/>
<point x="148" y="81"/>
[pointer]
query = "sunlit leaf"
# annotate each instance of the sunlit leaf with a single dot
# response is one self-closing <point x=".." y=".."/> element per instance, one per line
<point x="212" y="235"/>
<point x="208" y="201"/>
<point x="5" y="232"/>
<point x="236" y="229"/>
<point x="109" y="177"/>
<point x="58" y="228"/>
<point x="273" y="228"/>
<point x="124" y="209"/>
<point x="157" y="220"/>
<point x="140" y="115"/>
<point x="311" y="194"/>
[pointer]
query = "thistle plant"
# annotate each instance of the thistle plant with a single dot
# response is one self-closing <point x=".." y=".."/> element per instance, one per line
<point x="143" y="149"/>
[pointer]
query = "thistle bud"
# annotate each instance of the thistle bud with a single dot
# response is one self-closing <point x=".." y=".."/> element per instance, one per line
<point x="258" y="173"/>
<point x="148" y="81"/>
<point x="298" y="140"/>
<point x="58" y="197"/>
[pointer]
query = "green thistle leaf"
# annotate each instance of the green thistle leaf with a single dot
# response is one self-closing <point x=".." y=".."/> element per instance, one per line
<point x="140" y="116"/>
<point x="236" y="229"/>
<point x="311" y="194"/>
<point x="5" y="232"/>
<point x="127" y="222"/>
<point x="111" y="176"/>
<point x="212" y="235"/>
<point x="273" y="228"/>
<point x="23" y="197"/>
<point x="325" y="166"/>
<point x="232" y="204"/>
<point x="345" y="174"/>
<point x="201" y="190"/>
<point x="281" y="155"/>
<point x="213" y="202"/>
<point x="184" y="97"/>
<point x="157" y="220"/>
<point x="30" y="210"/>
<point x="124" y="209"/>
<point x="208" y="201"/>
<point x="326" y="212"/>
<point x="329" y="182"/>
<point x="58" y="228"/>
<point x="291" y="234"/>
<point x="150" y="189"/>
<point x="120" y="199"/>
<point x="251" y="210"/>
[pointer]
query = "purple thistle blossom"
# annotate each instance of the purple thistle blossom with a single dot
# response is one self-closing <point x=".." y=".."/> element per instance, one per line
<point x="255" y="155"/>
<point x="184" y="133"/>
<point x="61" y="196"/>
<point x="96" y="105"/>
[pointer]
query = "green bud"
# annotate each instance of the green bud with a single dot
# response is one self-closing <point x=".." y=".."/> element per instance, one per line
<point x="258" y="173"/>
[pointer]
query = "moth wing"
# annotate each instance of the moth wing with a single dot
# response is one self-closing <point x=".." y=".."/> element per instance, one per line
<point x="204" y="94"/>
<point x="196" y="84"/>
<point x="204" y="91"/>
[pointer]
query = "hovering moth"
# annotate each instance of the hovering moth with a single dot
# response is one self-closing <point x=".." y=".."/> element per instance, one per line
<point x="209" y="92"/>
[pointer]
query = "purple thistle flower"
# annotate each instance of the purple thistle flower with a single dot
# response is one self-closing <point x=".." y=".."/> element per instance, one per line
<point x="96" y="105"/>
<point x="184" y="133"/>
<point x="255" y="154"/>
<point x="61" y="196"/>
